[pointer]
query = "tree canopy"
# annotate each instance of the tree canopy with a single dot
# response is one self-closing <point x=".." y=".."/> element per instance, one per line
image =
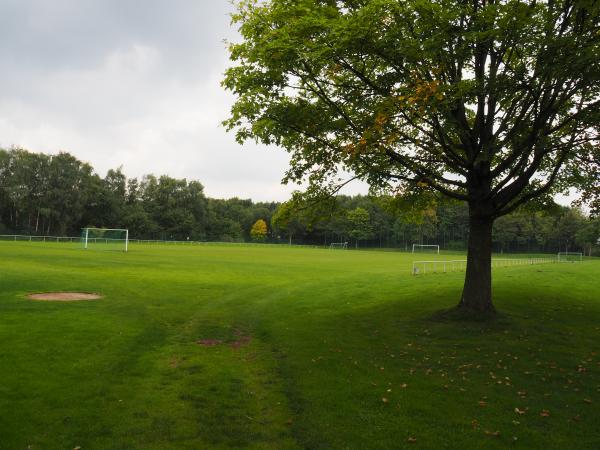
<point x="490" y="102"/>
<point x="360" y="224"/>
<point x="258" y="232"/>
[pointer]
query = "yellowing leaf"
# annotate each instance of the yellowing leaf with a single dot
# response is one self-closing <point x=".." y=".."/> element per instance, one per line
<point x="492" y="433"/>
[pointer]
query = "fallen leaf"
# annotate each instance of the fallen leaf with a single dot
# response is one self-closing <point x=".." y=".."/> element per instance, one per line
<point x="492" y="433"/>
<point x="482" y="403"/>
<point x="412" y="440"/>
<point x="519" y="411"/>
<point x="545" y="413"/>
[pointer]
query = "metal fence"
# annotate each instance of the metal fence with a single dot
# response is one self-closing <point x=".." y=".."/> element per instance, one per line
<point x="26" y="238"/>
<point x="460" y="265"/>
<point x="99" y="240"/>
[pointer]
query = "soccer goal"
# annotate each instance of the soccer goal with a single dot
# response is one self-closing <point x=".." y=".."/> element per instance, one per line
<point x="105" y="238"/>
<point x="338" y="245"/>
<point x="570" y="257"/>
<point x="425" y="248"/>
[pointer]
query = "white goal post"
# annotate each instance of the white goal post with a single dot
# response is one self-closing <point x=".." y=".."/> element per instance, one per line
<point x="570" y="257"/>
<point x="115" y="236"/>
<point x="342" y="245"/>
<point x="435" y="248"/>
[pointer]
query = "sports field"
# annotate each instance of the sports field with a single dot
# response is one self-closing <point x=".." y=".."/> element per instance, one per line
<point x="283" y="348"/>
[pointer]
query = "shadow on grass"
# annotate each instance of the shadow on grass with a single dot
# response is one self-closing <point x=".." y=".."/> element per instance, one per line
<point x="408" y="364"/>
<point x="458" y="314"/>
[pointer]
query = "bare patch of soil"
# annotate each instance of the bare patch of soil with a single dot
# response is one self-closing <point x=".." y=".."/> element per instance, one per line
<point x="64" y="296"/>
<point x="241" y="340"/>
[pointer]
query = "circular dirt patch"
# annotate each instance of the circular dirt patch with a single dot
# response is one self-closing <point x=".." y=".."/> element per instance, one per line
<point x="64" y="296"/>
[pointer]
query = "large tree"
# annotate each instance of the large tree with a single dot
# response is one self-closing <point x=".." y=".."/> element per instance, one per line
<point x="484" y="101"/>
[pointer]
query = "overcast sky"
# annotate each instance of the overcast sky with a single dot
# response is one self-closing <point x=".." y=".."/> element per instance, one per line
<point x="129" y="83"/>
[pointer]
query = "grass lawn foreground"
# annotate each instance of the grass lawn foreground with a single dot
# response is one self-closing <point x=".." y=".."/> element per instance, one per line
<point x="276" y="347"/>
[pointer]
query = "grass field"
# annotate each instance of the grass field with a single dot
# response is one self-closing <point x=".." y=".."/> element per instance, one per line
<point x="283" y="348"/>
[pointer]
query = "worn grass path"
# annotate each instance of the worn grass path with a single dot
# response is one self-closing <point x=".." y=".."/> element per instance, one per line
<point x="303" y="348"/>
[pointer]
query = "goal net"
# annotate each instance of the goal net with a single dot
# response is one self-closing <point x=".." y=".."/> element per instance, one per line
<point x="105" y="238"/>
<point x="422" y="248"/>
<point x="570" y="257"/>
<point x="339" y="245"/>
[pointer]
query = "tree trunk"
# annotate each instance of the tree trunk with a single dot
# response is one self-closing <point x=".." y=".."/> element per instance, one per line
<point x="477" y="291"/>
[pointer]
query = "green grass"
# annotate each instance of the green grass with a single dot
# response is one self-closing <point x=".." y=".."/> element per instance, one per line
<point x="312" y="342"/>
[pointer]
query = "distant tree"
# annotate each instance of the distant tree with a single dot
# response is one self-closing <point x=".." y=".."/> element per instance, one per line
<point x="139" y="222"/>
<point x="288" y="218"/>
<point x="258" y="232"/>
<point x="67" y="196"/>
<point x="588" y="235"/>
<point x="360" y="225"/>
<point x="506" y="230"/>
<point x="111" y="199"/>
<point x="566" y="229"/>
<point x="222" y="223"/>
<point x="179" y="208"/>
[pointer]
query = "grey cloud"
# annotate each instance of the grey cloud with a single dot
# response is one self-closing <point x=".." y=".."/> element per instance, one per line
<point x="131" y="83"/>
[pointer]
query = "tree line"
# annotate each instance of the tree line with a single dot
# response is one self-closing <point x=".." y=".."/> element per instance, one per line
<point x="58" y="195"/>
<point x="385" y="222"/>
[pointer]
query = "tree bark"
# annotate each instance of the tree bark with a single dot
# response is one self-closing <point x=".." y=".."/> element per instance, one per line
<point x="477" y="291"/>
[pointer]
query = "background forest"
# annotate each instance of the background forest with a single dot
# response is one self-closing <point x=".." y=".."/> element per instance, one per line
<point x="58" y="195"/>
